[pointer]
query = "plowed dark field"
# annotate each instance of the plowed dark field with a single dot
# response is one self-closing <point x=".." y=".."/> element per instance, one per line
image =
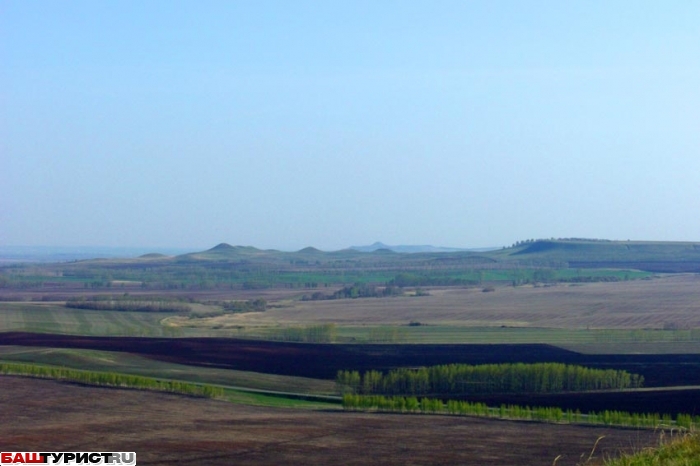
<point x="324" y="360"/>
<point x="163" y="429"/>
<point x="657" y="401"/>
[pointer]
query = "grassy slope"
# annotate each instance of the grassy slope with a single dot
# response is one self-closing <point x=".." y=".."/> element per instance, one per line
<point x="682" y="451"/>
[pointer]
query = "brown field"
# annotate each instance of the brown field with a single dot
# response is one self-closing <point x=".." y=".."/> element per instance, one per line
<point x="51" y="292"/>
<point x="672" y="301"/>
<point x="42" y="415"/>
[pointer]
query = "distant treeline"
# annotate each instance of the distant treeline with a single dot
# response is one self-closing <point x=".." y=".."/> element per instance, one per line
<point x="358" y="290"/>
<point x="127" y="304"/>
<point x="252" y="305"/>
<point x="439" y="269"/>
<point x="111" y="379"/>
<point x="539" y="240"/>
<point x="325" y="333"/>
<point x="412" y="280"/>
<point x="399" y="404"/>
<point x="464" y="379"/>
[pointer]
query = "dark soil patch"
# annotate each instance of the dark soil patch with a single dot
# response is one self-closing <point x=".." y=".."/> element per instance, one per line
<point x="662" y="401"/>
<point x="323" y="361"/>
<point x="42" y="415"/>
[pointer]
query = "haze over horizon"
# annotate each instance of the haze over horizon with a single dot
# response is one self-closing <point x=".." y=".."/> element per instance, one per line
<point x="282" y="125"/>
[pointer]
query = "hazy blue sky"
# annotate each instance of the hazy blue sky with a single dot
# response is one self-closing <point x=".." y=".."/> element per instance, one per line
<point x="283" y="124"/>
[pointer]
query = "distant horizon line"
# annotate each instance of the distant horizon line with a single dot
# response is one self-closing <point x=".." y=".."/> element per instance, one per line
<point x="58" y="249"/>
<point x="204" y="248"/>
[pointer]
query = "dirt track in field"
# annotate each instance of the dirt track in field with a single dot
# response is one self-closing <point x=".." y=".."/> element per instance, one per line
<point x="42" y="415"/>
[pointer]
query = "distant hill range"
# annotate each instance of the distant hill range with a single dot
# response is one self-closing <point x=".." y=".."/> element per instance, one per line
<point x="652" y="256"/>
<point x="414" y="248"/>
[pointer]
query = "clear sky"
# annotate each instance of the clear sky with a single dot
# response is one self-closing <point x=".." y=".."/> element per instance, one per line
<point x="284" y="124"/>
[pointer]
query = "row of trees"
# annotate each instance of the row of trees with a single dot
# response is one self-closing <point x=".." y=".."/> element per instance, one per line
<point x="127" y="304"/>
<point x="464" y="379"/>
<point x="399" y="404"/>
<point x="325" y="333"/>
<point x="251" y="305"/>
<point x="111" y="379"/>
<point x="358" y="290"/>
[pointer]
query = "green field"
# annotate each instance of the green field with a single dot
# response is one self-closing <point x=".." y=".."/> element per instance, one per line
<point x="40" y="317"/>
<point x="56" y="318"/>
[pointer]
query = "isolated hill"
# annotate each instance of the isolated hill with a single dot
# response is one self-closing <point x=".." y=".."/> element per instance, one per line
<point x="153" y="255"/>
<point x="222" y="247"/>
<point x="310" y="250"/>
<point x="224" y="252"/>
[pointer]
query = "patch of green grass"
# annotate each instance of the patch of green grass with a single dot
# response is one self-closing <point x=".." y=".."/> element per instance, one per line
<point x="680" y="451"/>
<point x="280" y="401"/>
<point x="56" y="318"/>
